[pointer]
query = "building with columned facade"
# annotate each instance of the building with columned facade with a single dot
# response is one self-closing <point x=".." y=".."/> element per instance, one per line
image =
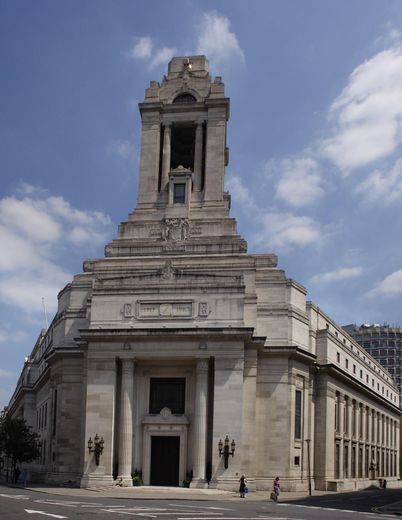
<point x="179" y="341"/>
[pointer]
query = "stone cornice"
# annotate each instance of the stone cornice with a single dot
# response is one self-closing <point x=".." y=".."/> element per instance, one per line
<point x="292" y="352"/>
<point x="212" y="333"/>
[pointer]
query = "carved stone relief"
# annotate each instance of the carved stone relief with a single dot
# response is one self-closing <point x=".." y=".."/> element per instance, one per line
<point x="128" y="310"/>
<point x="160" y="310"/>
<point x="168" y="272"/>
<point x="175" y="230"/>
<point x="203" y="309"/>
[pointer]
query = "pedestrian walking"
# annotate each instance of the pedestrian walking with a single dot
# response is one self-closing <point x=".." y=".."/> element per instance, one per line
<point x="242" y="486"/>
<point x="276" y="489"/>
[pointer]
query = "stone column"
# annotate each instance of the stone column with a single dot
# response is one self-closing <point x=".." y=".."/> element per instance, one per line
<point x="126" y="422"/>
<point x="341" y="404"/>
<point x="349" y="414"/>
<point x="363" y="423"/>
<point x="341" y="441"/>
<point x="198" y="157"/>
<point x="374" y="420"/>
<point x="166" y="156"/>
<point x="200" y="424"/>
<point x="369" y="426"/>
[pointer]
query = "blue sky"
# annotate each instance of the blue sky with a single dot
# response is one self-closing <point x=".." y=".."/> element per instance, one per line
<point x="315" y="139"/>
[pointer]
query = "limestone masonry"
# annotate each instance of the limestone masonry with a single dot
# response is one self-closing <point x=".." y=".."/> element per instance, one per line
<point x="179" y="341"/>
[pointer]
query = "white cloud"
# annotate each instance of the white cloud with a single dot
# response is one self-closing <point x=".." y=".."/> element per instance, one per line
<point x="142" y="48"/>
<point x="368" y="113"/>
<point x="301" y="182"/>
<point x="28" y="218"/>
<point x="34" y="232"/>
<point x="26" y="290"/>
<point x="391" y="285"/>
<point x="162" y="56"/>
<point x="217" y="41"/>
<point x="343" y="273"/>
<point x="122" y="148"/>
<point x="240" y="193"/>
<point x="285" y="230"/>
<point x="384" y="186"/>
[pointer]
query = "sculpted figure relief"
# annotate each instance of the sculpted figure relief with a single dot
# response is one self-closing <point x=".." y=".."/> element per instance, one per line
<point x="175" y="229"/>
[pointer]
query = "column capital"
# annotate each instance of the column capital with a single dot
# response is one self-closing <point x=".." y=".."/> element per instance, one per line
<point x="127" y="364"/>
<point x="202" y="364"/>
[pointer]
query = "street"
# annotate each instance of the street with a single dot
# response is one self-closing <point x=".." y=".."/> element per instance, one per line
<point x="21" y="504"/>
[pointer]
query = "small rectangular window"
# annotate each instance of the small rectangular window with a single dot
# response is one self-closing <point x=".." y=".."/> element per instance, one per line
<point x="297" y="461"/>
<point x="179" y="193"/>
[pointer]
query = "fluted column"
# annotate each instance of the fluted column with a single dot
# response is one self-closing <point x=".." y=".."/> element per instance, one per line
<point x="349" y="412"/>
<point x="126" y="421"/>
<point x="341" y="404"/>
<point x="167" y="149"/>
<point x="198" y="157"/>
<point x="200" y="424"/>
<point x="363" y="423"/>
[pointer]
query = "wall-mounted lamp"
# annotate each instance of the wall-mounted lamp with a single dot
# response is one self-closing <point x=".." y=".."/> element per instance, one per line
<point x="224" y="450"/>
<point x="96" y="446"/>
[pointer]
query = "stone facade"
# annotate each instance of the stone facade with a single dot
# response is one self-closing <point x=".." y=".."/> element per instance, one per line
<point x="178" y="339"/>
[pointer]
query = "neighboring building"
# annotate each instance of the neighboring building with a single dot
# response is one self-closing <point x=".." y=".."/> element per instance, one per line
<point x="179" y="339"/>
<point x="384" y="343"/>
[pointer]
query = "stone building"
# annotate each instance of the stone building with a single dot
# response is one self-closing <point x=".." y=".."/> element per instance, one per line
<point x="384" y="343"/>
<point x="190" y="357"/>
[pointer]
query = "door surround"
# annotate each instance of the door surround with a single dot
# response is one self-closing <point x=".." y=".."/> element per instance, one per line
<point x="164" y="424"/>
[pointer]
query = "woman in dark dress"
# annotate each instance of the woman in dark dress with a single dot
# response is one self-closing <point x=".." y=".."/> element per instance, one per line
<point x="242" y="486"/>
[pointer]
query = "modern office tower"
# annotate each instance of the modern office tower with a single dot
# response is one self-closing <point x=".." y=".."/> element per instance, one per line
<point x="384" y="343"/>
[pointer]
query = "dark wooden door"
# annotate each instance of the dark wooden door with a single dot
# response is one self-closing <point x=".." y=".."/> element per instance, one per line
<point x="165" y="455"/>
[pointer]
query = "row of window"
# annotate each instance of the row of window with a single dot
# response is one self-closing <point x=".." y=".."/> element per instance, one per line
<point x="42" y="452"/>
<point x="384" y="391"/>
<point x="41" y="417"/>
<point x="383" y="335"/>
<point x="355" y="465"/>
<point x="357" y="420"/>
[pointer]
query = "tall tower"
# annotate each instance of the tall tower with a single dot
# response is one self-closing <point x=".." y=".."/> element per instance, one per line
<point x="181" y="197"/>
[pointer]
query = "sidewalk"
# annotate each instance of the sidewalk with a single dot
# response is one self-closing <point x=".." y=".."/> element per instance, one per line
<point x="162" y="493"/>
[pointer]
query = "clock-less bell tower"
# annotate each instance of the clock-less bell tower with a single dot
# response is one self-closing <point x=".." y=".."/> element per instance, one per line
<point x="181" y="197"/>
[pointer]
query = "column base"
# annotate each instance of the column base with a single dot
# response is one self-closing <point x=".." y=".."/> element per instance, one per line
<point x="199" y="483"/>
<point x="124" y="481"/>
<point x="93" y="481"/>
<point x="226" y="483"/>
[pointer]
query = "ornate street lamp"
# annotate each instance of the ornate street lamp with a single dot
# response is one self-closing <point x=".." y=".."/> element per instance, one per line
<point x="223" y="449"/>
<point x="96" y="446"/>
